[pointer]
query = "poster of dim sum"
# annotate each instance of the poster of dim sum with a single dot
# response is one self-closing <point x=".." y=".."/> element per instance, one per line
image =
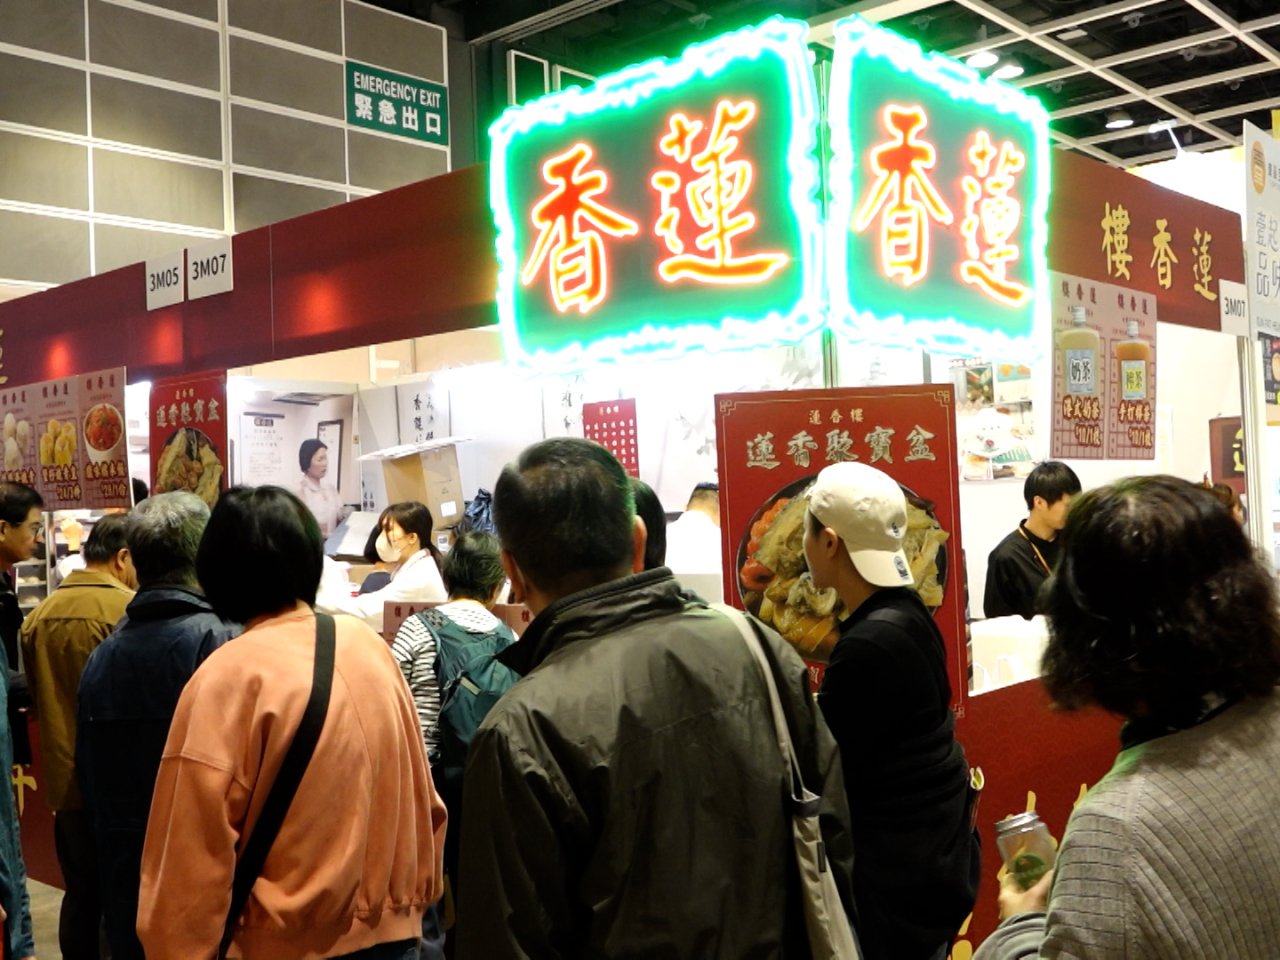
<point x="771" y="448"/>
<point x="189" y="435"/>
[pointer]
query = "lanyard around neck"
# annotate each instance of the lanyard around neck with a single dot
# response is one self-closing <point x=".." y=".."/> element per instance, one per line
<point x="1039" y="556"/>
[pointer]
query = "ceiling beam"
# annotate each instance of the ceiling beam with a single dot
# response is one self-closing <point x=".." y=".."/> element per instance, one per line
<point x="560" y="14"/>
<point x="1127" y="56"/>
<point x="1053" y="26"/>
<point x="1013" y="25"/>
<point x="822" y="25"/>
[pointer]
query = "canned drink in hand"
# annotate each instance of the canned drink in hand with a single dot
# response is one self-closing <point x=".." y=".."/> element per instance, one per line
<point x="1026" y="848"/>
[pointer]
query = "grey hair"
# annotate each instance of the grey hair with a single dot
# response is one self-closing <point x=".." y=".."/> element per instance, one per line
<point x="164" y="534"/>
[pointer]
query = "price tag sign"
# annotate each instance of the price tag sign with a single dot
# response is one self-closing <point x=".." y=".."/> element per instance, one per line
<point x="209" y="269"/>
<point x="164" y="281"/>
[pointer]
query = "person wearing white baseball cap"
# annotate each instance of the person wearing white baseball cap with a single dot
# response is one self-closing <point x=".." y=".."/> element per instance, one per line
<point x="887" y="700"/>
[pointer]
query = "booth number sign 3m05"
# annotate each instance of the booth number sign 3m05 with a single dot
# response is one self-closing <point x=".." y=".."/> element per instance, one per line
<point x="201" y="270"/>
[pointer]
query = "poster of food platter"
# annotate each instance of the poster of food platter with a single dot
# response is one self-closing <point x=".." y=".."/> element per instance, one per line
<point x="66" y="438"/>
<point x="771" y="448"/>
<point x="189" y="435"/>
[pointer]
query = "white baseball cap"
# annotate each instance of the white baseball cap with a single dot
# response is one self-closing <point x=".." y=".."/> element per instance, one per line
<point x="867" y="510"/>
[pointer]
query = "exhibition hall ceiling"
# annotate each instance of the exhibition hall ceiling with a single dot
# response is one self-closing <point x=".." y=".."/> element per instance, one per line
<point x="1108" y="72"/>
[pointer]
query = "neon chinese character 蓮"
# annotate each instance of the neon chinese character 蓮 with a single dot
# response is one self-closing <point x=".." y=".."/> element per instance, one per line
<point x="1202" y="266"/>
<point x="712" y="199"/>
<point x="919" y="439"/>
<point x="760" y="451"/>
<point x="570" y="224"/>
<point x="1115" y="240"/>
<point x="1163" y="258"/>
<point x="902" y="183"/>
<point x="798" y="448"/>
<point x="879" y="439"/>
<point x="991" y="217"/>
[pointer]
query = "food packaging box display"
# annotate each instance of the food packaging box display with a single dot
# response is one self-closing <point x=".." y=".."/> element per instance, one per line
<point x="395" y="612"/>
<point x="427" y="472"/>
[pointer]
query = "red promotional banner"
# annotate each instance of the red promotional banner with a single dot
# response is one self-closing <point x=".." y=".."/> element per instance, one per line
<point x="1111" y="226"/>
<point x="612" y="424"/>
<point x="189" y="435"/>
<point x="105" y="459"/>
<point x="772" y="446"/>
<point x="1104" y="371"/>
<point x="20" y="461"/>
<point x="55" y="412"/>
<point x="1226" y="452"/>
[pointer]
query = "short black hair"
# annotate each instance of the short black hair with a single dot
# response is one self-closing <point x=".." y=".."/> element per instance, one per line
<point x="140" y="491"/>
<point x="1051" y="480"/>
<point x="1158" y="600"/>
<point x="106" y="538"/>
<point x="705" y="493"/>
<point x="566" y="514"/>
<point x="413" y="517"/>
<point x="307" y="452"/>
<point x="261" y="553"/>
<point x="16" y="501"/>
<point x="472" y="568"/>
<point x="649" y="507"/>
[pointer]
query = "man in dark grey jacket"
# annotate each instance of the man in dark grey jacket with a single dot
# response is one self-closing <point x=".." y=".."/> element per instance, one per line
<point x="627" y="796"/>
<point x="128" y="693"/>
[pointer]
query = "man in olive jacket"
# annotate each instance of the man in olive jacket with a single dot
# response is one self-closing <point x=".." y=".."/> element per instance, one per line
<point x="627" y="796"/>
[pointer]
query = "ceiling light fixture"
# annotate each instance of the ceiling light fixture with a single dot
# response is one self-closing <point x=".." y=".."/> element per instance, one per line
<point x="1119" y="120"/>
<point x="1075" y="33"/>
<point x="981" y="59"/>
<point x="1009" y="69"/>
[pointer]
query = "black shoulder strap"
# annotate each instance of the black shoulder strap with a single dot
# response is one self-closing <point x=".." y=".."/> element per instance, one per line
<point x="249" y="864"/>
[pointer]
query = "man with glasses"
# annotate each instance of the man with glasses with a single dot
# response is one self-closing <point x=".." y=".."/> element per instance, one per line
<point x="20" y="531"/>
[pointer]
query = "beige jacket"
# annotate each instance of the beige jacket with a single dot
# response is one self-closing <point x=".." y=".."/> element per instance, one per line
<point x="358" y="857"/>
<point x="57" y="638"/>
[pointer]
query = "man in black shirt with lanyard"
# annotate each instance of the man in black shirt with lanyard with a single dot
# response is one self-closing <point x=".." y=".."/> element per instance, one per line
<point x="1023" y="560"/>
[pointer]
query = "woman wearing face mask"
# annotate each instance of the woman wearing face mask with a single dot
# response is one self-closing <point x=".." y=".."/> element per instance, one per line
<point x="405" y="544"/>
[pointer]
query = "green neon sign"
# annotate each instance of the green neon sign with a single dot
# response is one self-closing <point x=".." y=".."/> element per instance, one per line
<point x="939" y="182"/>
<point x="669" y="206"/>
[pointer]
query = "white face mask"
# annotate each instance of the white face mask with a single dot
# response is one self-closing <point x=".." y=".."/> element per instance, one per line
<point x="386" y="552"/>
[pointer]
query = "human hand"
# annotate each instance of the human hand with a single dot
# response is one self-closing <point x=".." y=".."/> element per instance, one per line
<point x="1015" y="900"/>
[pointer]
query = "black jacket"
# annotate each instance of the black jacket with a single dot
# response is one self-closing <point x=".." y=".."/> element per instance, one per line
<point x="1015" y="574"/>
<point x="887" y="700"/>
<point x="626" y="798"/>
<point x="128" y="693"/>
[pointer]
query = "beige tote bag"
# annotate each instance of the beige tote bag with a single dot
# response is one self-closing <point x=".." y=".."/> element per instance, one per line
<point x="831" y="936"/>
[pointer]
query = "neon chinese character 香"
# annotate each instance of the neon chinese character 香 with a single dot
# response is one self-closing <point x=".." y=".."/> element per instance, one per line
<point x="1115" y="240"/>
<point x="904" y="196"/>
<point x="1163" y="258"/>
<point x="991" y="217"/>
<point x="570" y="227"/>
<point x="713" y="200"/>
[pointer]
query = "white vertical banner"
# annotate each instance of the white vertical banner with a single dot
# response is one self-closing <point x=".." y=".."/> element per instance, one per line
<point x="1262" y="230"/>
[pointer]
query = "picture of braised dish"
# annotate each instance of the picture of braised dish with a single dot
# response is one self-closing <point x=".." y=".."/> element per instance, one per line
<point x="774" y="582"/>
<point x="103" y="427"/>
<point x="189" y="462"/>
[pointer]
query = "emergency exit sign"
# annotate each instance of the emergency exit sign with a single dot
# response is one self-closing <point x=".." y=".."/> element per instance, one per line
<point x="397" y="104"/>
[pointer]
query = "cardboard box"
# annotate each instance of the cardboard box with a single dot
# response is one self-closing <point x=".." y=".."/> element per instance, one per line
<point x="426" y="472"/>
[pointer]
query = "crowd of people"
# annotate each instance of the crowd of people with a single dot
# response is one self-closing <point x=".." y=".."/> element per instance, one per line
<point x="234" y="771"/>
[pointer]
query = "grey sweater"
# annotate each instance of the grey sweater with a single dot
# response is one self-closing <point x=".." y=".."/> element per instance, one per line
<point x="1175" y="853"/>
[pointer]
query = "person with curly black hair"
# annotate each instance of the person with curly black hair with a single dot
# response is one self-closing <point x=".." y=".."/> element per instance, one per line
<point x="1161" y="611"/>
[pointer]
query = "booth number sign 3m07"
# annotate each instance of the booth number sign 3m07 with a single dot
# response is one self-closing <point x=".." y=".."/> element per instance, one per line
<point x="202" y="270"/>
